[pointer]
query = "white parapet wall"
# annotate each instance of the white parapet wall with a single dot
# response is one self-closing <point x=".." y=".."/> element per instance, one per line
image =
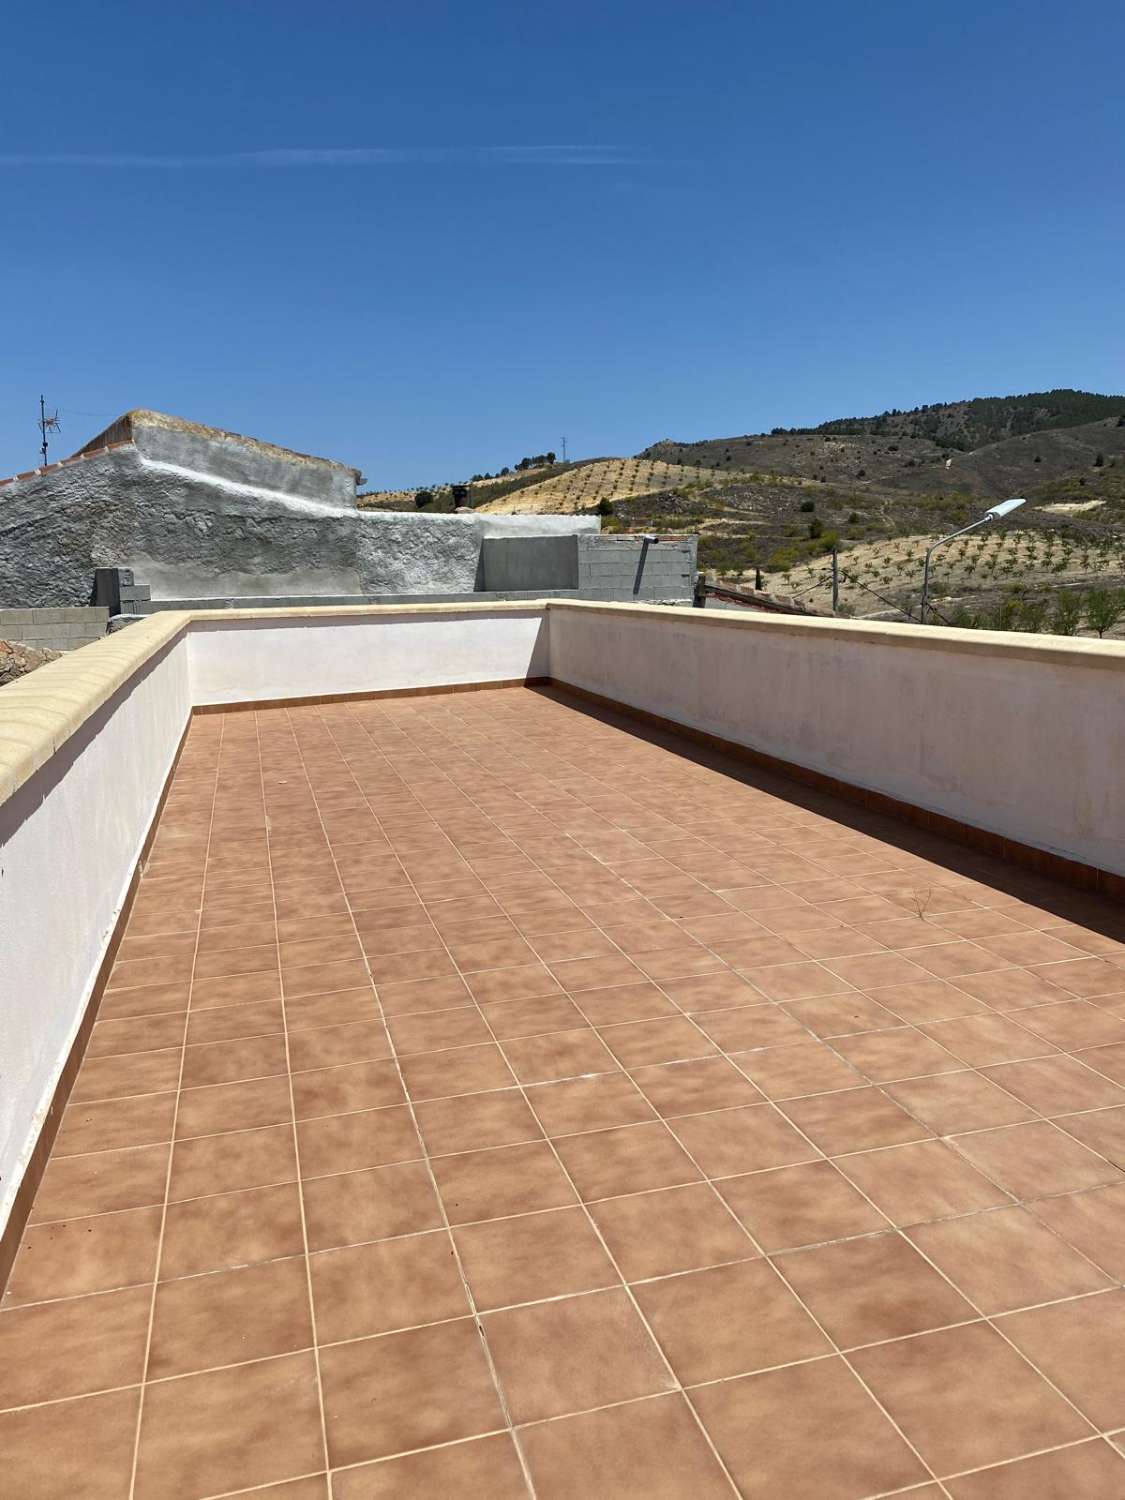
<point x="1021" y="736"/>
<point x="255" y="656"/>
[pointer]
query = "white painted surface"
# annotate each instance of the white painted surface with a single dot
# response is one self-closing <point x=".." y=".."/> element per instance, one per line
<point x="69" y="840"/>
<point x="1024" y="737"/>
<point x="242" y="661"/>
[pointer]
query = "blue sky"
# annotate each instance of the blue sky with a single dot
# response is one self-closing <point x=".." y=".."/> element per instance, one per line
<point x="428" y="238"/>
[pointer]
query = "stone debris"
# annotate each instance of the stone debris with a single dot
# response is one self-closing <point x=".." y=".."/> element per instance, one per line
<point x="17" y="660"/>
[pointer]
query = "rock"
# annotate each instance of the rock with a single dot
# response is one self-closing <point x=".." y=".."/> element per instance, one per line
<point x="17" y="660"/>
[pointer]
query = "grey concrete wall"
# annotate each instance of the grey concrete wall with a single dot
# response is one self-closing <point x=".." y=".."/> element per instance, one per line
<point x="55" y="629"/>
<point x="188" y="535"/>
<point x="243" y="462"/>
<point x="530" y="562"/>
<point x="627" y="567"/>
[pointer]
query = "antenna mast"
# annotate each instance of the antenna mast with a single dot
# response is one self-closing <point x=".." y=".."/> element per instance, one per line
<point x="47" y="424"/>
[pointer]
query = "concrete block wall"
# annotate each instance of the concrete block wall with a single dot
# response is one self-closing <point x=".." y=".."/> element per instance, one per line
<point x="628" y="567"/>
<point x="62" y="629"/>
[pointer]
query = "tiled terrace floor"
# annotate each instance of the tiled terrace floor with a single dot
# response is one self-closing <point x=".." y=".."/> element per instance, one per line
<point x="491" y="1099"/>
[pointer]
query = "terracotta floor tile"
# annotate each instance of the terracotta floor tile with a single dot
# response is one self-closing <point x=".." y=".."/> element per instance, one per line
<point x="865" y="1290"/>
<point x="1057" y="1085"/>
<point x="799" y="1205"/>
<point x="928" y="1000"/>
<point x="1080" y="1347"/>
<point x="333" y="1046"/>
<point x="233" y="1106"/>
<point x="1007" y="1260"/>
<point x="73" y="1257"/>
<point x="672" y="1040"/>
<point x="401" y="999"/>
<point x="111" y="1038"/>
<point x="334" y="1091"/>
<point x="572" y="1105"/>
<point x="1083" y="976"/>
<point x="119" y="1077"/>
<point x="233" y="1061"/>
<point x="357" y="1206"/>
<point x="230" y="1429"/>
<point x="407" y="1390"/>
<point x="438" y="1030"/>
<point x="842" y="1015"/>
<point x="711" y="992"/>
<point x="625" y="1002"/>
<point x="759" y="950"/>
<point x="479" y="1467"/>
<point x="506" y="1180"/>
<point x="74" y="1186"/>
<point x="854" y="1120"/>
<point x="1092" y="1470"/>
<point x="339" y="1008"/>
<point x="1035" y="1160"/>
<point x="807" y="1067"/>
<point x="1108" y="1061"/>
<point x="696" y="1087"/>
<point x="750" y="1027"/>
<point x="47" y="1449"/>
<point x="965" y="1398"/>
<point x="1010" y="989"/>
<point x="573" y="1354"/>
<point x="873" y="970"/>
<point x="982" y="1041"/>
<point x="231" y="1229"/>
<point x="231" y="1022"/>
<point x="953" y="1102"/>
<point x="470" y="1122"/>
<point x="349" y="1143"/>
<point x="414" y="964"/>
<point x="1074" y="1024"/>
<point x="646" y="1450"/>
<point x="677" y="1229"/>
<point x="377" y="1288"/>
<point x="596" y="973"/>
<point x="237" y="989"/>
<point x="223" y="1163"/>
<point x="948" y="960"/>
<point x="464" y="1070"/>
<point x="921" y="1181"/>
<point x="728" y="1320"/>
<point x="520" y="982"/>
<point x="532" y="1257"/>
<point x="770" y="1429"/>
<point x="1093" y="1222"/>
<point x="750" y="1139"/>
<point x="114" y="1123"/>
<point x="630" y="1159"/>
<point x="73" y="1347"/>
<point x="228" y="1318"/>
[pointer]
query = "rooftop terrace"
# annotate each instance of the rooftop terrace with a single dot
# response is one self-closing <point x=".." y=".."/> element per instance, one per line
<point x="489" y="1094"/>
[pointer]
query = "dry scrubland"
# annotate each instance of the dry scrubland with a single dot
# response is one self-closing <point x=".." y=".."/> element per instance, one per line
<point x="608" y="479"/>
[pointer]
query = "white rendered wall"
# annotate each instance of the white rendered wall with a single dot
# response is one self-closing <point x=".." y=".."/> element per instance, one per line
<point x="1024" y="737"/>
<point x="70" y="838"/>
<point x="247" y="660"/>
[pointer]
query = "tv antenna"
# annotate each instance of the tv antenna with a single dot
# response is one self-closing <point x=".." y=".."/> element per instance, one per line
<point x="47" y="424"/>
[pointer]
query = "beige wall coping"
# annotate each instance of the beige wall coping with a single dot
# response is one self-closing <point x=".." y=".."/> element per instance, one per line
<point x="1003" y="643"/>
<point x="40" y="712"/>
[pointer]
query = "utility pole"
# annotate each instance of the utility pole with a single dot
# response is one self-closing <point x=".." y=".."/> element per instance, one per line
<point x="835" y="580"/>
<point x="47" y="424"/>
<point x="564" y="449"/>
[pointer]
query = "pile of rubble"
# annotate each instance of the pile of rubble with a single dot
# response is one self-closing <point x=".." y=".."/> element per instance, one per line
<point x="17" y="660"/>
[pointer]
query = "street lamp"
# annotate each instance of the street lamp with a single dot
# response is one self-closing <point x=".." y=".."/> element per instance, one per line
<point x="997" y="513"/>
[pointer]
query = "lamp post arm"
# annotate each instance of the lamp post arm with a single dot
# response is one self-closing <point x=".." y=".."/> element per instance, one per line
<point x="972" y="526"/>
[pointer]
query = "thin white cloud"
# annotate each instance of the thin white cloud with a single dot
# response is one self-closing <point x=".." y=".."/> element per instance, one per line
<point x="344" y="156"/>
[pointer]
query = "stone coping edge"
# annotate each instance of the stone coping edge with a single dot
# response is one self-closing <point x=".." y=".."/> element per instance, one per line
<point x="41" y="711"/>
